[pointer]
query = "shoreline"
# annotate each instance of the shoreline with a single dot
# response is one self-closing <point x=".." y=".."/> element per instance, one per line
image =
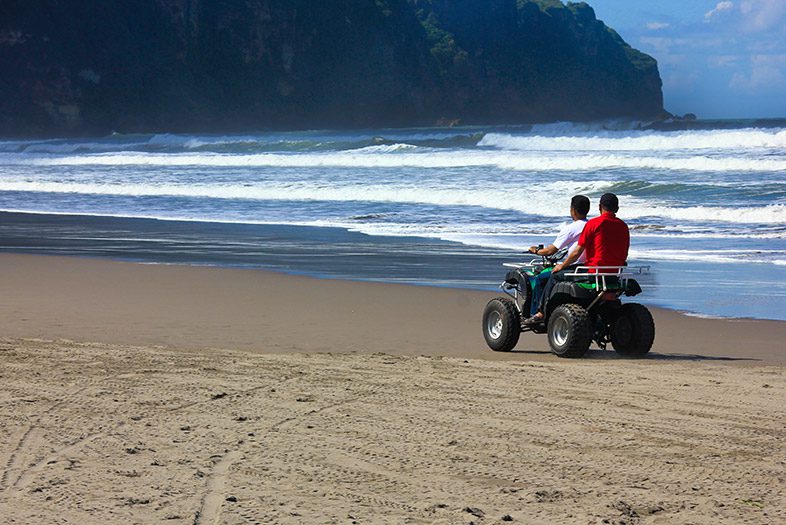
<point x="332" y="252"/>
<point x="193" y="307"/>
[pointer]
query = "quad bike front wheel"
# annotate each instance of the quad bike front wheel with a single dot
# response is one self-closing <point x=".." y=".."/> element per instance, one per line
<point x="570" y="333"/>
<point x="634" y="331"/>
<point x="501" y="324"/>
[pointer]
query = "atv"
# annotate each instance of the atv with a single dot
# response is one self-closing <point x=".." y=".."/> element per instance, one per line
<point x="585" y="307"/>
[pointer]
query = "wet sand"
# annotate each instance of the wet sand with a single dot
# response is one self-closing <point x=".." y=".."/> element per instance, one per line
<point x="200" y="307"/>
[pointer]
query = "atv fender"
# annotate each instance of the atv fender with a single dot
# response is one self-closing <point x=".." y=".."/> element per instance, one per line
<point x="568" y="292"/>
<point x="576" y="292"/>
<point x="516" y="277"/>
<point x="632" y="288"/>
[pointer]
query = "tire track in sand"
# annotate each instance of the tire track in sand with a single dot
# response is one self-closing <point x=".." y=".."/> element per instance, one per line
<point x="27" y="474"/>
<point x="209" y="512"/>
<point x="29" y="441"/>
<point x="212" y="503"/>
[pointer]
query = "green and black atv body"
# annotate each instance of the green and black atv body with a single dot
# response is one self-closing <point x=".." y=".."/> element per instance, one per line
<point x="584" y="307"/>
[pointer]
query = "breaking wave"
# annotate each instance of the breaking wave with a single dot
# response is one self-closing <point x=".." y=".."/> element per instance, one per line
<point x="429" y="159"/>
<point x="736" y="140"/>
<point x="540" y="200"/>
<point x="688" y="189"/>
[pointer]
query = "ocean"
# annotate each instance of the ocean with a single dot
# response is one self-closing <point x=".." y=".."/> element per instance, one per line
<point x="440" y="207"/>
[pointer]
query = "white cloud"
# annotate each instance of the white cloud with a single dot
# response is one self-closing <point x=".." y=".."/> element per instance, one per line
<point x="723" y="61"/>
<point x="768" y="72"/>
<point x="719" y="8"/>
<point x="763" y="15"/>
<point x="655" y="26"/>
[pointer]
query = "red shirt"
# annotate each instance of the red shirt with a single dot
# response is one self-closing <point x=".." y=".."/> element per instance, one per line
<point x="606" y="240"/>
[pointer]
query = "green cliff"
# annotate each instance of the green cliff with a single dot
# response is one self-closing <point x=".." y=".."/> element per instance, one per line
<point x="95" y="66"/>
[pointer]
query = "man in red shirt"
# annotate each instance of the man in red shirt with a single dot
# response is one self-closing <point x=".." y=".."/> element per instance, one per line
<point x="606" y="239"/>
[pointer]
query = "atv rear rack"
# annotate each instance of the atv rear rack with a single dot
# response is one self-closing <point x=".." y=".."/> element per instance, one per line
<point x="601" y="272"/>
<point x="598" y="274"/>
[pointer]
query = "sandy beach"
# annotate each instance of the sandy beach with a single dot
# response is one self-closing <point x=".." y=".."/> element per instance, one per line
<point x="145" y="393"/>
<point x="248" y="249"/>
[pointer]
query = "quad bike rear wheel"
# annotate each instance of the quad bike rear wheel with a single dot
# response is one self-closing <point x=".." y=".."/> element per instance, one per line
<point x="570" y="333"/>
<point x="634" y="331"/>
<point x="501" y="324"/>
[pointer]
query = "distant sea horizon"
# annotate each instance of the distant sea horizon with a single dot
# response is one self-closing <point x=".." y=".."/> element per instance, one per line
<point x="705" y="200"/>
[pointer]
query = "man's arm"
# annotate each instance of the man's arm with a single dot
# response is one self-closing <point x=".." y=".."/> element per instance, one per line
<point x="548" y="250"/>
<point x="573" y="257"/>
<point x="560" y="241"/>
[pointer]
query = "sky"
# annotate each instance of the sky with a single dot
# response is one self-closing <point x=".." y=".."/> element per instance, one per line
<point x="717" y="59"/>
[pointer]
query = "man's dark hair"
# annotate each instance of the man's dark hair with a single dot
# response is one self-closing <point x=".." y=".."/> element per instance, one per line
<point x="610" y="202"/>
<point x="581" y="204"/>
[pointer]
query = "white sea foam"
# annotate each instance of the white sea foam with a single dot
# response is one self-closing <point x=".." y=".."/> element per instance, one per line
<point x="734" y="140"/>
<point x="706" y="316"/>
<point x="550" y="137"/>
<point x="500" y="159"/>
<point x="315" y="191"/>
<point x="708" y="256"/>
<point x="386" y="148"/>
<point x="543" y="200"/>
<point x="519" y="242"/>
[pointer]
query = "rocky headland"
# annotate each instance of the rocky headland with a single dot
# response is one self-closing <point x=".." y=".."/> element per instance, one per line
<point x="98" y="66"/>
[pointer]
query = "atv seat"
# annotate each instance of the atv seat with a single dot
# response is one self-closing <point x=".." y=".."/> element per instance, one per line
<point x="588" y="283"/>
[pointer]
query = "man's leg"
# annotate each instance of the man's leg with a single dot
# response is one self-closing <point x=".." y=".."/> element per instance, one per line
<point x="540" y="283"/>
<point x="546" y="292"/>
<point x="555" y="278"/>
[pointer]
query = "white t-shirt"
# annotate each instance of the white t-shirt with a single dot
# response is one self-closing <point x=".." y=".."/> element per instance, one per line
<point x="569" y="237"/>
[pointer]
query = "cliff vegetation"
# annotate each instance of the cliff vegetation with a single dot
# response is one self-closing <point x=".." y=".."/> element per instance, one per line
<point x="97" y="66"/>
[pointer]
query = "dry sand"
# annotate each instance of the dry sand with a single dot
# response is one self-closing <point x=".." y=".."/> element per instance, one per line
<point x="109" y="434"/>
<point x="147" y="420"/>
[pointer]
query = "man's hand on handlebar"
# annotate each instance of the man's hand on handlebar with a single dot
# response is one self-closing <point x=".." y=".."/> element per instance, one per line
<point x="572" y="257"/>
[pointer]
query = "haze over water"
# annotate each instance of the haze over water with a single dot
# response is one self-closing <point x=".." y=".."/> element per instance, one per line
<point x="706" y="207"/>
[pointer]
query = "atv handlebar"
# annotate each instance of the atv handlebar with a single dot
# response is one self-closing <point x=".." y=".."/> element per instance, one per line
<point x="547" y="261"/>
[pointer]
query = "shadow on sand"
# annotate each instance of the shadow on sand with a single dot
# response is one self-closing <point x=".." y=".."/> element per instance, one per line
<point x="652" y="356"/>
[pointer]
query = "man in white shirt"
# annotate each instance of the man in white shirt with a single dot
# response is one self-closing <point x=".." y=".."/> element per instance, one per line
<point x="568" y="237"/>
